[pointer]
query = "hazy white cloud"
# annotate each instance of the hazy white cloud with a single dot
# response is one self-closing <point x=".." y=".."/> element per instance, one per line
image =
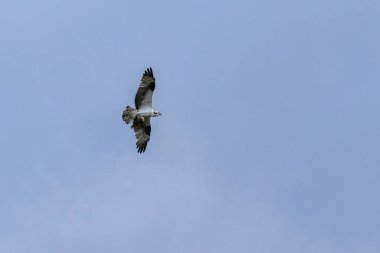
<point x="140" y="206"/>
<point x="268" y="140"/>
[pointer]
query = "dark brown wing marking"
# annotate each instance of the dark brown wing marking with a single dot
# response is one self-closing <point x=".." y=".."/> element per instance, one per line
<point x="142" y="128"/>
<point x="147" y="83"/>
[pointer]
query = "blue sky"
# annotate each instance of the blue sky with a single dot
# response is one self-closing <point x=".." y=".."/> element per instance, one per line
<point x="269" y="139"/>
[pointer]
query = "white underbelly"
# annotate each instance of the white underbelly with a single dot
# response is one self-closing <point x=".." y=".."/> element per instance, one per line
<point x="145" y="112"/>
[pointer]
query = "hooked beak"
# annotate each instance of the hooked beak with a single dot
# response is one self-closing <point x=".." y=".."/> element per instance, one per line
<point x="159" y="113"/>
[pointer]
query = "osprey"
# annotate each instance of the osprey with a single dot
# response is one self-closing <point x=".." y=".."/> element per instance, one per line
<point x="143" y="112"/>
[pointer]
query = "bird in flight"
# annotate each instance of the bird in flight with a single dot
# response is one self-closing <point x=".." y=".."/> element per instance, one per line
<point x="140" y="116"/>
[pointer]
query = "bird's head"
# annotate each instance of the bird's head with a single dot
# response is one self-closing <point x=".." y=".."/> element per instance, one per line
<point x="156" y="113"/>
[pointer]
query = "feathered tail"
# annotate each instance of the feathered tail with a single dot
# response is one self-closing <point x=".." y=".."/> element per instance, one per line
<point x="129" y="114"/>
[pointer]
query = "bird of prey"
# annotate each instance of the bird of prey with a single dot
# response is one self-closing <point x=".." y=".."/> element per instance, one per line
<point x="140" y="116"/>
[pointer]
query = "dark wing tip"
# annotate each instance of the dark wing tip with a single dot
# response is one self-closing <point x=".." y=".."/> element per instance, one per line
<point x="141" y="149"/>
<point x="148" y="72"/>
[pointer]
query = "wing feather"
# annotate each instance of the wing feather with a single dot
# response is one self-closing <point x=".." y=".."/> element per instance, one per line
<point x="144" y="93"/>
<point x="142" y="129"/>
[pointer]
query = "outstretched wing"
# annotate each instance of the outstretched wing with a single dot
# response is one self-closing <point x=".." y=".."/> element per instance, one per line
<point x="141" y="126"/>
<point x="143" y="98"/>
